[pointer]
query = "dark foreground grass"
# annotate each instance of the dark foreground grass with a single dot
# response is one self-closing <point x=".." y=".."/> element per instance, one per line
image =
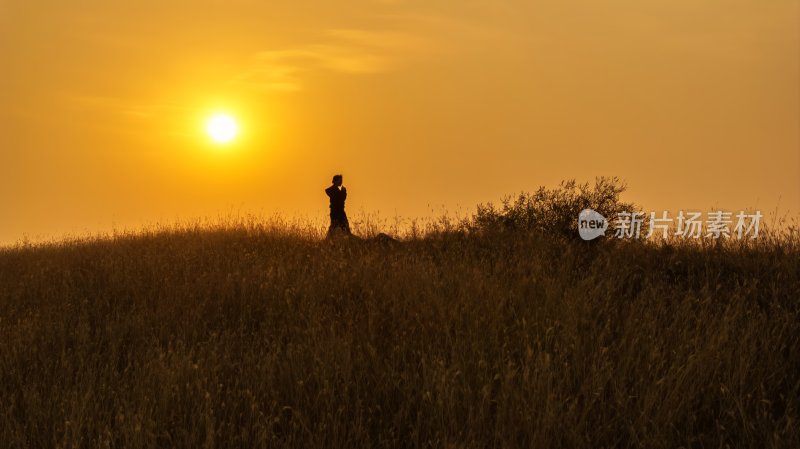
<point x="257" y="336"/>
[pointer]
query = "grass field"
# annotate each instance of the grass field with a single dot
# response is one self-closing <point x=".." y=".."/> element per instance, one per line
<point x="255" y="334"/>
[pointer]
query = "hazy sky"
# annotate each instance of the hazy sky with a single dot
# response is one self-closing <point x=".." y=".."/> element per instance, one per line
<point x="420" y="104"/>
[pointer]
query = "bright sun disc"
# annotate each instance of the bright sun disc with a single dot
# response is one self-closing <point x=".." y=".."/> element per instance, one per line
<point x="222" y="128"/>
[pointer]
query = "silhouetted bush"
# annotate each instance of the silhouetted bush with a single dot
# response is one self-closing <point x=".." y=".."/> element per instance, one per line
<point x="552" y="211"/>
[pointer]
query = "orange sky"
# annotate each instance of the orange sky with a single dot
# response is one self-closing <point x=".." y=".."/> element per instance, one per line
<point x="420" y="104"/>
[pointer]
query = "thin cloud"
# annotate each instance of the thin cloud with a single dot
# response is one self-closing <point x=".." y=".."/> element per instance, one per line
<point x="122" y="106"/>
<point x="345" y="51"/>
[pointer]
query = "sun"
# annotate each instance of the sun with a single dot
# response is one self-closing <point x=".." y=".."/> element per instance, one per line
<point x="222" y="128"/>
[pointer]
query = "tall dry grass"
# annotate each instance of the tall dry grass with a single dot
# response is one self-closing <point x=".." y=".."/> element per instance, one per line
<point x="253" y="334"/>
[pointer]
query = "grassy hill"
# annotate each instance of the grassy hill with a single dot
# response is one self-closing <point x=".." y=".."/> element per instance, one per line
<point x="262" y="335"/>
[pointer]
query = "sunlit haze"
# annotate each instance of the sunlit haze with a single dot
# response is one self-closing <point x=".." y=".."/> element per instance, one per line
<point x="118" y="114"/>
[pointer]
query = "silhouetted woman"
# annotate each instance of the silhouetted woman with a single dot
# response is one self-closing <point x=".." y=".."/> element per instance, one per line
<point x="338" y="193"/>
